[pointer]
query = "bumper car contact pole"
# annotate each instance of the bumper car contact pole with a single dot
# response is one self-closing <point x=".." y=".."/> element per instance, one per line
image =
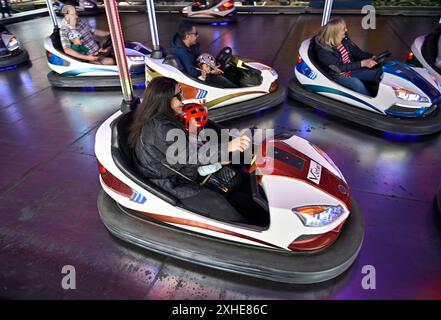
<point x="52" y="13"/>
<point x="156" y="53"/>
<point x="327" y="12"/>
<point x="129" y="101"/>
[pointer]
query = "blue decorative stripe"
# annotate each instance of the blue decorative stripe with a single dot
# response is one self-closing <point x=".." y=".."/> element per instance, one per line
<point x="138" y="198"/>
<point x="55" y="60"/>
<point x="87" y="70"/>
<point x="317" y="89"/>
<point x="304" y="69"/>
<point x="201" y="94"/>
<point x="405" y="72"/>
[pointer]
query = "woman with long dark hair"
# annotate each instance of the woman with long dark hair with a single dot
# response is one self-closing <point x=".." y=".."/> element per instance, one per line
<point x="155" y="117"/>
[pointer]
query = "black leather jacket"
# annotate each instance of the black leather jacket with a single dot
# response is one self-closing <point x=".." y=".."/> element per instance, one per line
<point x="150" y="158"/>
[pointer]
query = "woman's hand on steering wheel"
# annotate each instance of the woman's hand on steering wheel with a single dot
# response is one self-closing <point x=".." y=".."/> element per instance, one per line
<point x="368" y="63"/>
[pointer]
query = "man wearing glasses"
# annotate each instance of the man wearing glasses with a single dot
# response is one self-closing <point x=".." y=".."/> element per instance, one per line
<point x="185" y="47"/>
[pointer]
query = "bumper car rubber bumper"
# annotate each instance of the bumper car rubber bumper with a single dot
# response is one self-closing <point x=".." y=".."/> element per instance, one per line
<point x="415" y="126"/>
<point x="271" y="264"/>
<point x="20" y="58"/>
<point x="58" y="80"/>
<point x="248" y="107"/>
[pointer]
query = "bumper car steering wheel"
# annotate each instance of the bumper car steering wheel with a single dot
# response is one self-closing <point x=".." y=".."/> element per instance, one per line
<point x="107" y="42"/>
<point x="224" y="57"/>
<point x="381" y="57"/>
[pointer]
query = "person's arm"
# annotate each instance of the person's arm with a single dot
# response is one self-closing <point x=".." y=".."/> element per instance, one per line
<point x="71" y="52"/>
<point x="187" y="63"/>
<point x="186" y="160"/>
<point x="357" y="53"/>
<point x="101" y="33"/>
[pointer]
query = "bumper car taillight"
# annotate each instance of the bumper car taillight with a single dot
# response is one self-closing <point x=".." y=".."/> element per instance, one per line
<point x="273" y="87"/>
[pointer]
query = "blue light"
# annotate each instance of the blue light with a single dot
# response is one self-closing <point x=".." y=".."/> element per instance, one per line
<point x="8" y="68"/>
<point x="88" y="88"/>
<point x="400" y="137"/>
<point x="224" y="23"/>
<point x="137" y="72"/>
<point x="323" y="113"/>
<point x="214" y="23"/>
<point x="412" y="113"/>
<point x="139" y="86"/>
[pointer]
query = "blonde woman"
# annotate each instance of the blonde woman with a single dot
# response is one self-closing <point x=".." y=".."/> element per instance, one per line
<point x="343" y="59"/>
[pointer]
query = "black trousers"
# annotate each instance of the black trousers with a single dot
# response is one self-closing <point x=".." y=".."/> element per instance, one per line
<point x="213" y="205"/>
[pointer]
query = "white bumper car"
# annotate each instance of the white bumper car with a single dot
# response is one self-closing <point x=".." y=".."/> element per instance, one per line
<point x="406" y="101"/>
<point x="314" y="228"/>
<point x="257" y="87"/>
<point x="71" y="72"/>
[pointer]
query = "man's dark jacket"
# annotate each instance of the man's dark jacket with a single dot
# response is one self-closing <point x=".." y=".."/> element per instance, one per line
<point x="330" y="58"/>
<point x="186" y="55"/>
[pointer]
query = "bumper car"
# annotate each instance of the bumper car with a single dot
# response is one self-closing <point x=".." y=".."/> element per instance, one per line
<point x="424" y="53"/>
<point x="83" y="7"/>
<point x="313" y="231"/>
<point x="214" y="12"/>
<point x="256" y="90"/>
<point x="68" y="71"/>
<point x="406" y="101"/>
<point x="11" y="53"/>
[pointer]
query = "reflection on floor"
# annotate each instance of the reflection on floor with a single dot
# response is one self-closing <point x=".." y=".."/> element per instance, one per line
<point x="49" y="178"/>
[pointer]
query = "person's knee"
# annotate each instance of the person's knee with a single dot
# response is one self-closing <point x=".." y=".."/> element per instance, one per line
<point x="353" y="83"/>
<point x="359" y="86"/>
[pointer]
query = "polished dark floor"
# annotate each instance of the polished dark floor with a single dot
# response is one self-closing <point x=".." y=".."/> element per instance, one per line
<point x="49" y="178"/>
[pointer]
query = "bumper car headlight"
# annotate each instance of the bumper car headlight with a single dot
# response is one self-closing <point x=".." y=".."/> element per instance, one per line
<point x="407" y="95"/>
<point x="12" y="43"/>
<point x="318" y="216"/>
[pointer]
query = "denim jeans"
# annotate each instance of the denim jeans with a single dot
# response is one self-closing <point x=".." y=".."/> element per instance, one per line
<point x="358" y="76"/>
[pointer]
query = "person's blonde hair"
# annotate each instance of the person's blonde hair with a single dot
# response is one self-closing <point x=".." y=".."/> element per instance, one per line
<point x="328" y="34"/>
